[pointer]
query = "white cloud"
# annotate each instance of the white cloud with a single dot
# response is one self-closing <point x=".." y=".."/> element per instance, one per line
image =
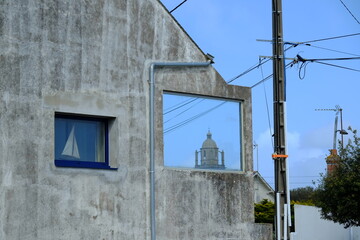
<point x="305" y="161"/>
<point x="318" y="138"/>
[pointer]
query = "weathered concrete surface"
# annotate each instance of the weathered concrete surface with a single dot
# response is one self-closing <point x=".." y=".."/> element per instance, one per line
<point x="193" y="204"/>
<point x="206" y="205"/>
<point x="91" y="57"/>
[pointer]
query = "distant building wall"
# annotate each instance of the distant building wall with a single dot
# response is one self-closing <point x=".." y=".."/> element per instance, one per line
<point x="309" y="225"/>
<point x="262" y="189"/>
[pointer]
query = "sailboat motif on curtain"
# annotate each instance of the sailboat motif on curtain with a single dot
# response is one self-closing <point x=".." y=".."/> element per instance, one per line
<point x="71" y="147"/>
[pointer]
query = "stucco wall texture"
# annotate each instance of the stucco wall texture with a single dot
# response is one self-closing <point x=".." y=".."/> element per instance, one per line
<point x="92" y="57"/>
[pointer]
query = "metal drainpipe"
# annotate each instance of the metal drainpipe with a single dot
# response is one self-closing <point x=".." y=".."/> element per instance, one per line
<point x="153" y="66"/>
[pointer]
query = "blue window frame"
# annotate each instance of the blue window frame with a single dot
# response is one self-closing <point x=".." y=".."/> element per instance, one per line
<point x="81" y="142"/>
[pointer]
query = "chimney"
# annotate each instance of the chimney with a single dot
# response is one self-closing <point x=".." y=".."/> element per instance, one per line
<point x="332" y="161"/>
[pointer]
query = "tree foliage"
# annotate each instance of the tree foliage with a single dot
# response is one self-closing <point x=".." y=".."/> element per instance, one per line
<point x="264" y="211"/>
<point x="303" y="195"/>
<point x="338" y="194"/>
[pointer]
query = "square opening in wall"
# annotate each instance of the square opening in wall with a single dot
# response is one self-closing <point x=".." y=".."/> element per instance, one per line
<point x="201" y="132"/>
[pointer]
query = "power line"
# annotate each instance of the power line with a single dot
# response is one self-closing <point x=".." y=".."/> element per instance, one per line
<point x="261" y="81"/>
<point x="184" y="103"/>
<point x="350" y="11"/>
<point x="269" y="76"/>
<point x="264" y="79"/>
<point x="295" y="182"/>
<point x="324" y="59"/>
<point x="316" y="40"/>
<point x="180" y="105"/>
<point x="329" y="38"/>
<point x="183" y="111"/>
<point x="258" y="65"/>
<point x="177" y="104"/>
<point x="246" y="71"/>
<point x="305" y="62"/>
<point x="333" y="65"/>
<point x="267" y="108"/>
<point x="332" y="50"/>
<point x="303" y="67"/>
<point x="308" y="176"/>
<point x="183" y="123"/>
<point x="254" y="67"/>
<point x="178" y="6"/>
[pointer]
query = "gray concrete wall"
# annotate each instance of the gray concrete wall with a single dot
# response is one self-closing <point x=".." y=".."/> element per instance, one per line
<point x="206" y="205"/>
<point x="199" y="204"/>
<point x="92" y="57"/>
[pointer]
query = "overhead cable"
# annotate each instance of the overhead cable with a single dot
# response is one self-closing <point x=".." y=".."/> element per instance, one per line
<point x="350" y="11"/>
<point x="316" y="40"/>
<point x="254" y="67"/>
<point x="303" y="67"/>
<point x="247" y="71"/>
<point x="329" y="38"/>
<point x="267" y="108"/>
<point x="171" y="109"/>
<point x="269" y="76"/>
<point x="308" y="176"/>
<point x="172" y="128"/>
<point x="178" y="6"/>
<point x="333" y="65"/>
<point x="299" y="58"/>
<point x="305" y="62"/>
<point x="182" y="112"/>
<point x="332" y="50"/>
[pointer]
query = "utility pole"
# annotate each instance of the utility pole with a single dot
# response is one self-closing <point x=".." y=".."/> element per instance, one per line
<point x="282" y="231"/>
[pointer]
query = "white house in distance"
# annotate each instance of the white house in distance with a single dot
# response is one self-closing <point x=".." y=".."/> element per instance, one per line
<point x="262" y="190"/>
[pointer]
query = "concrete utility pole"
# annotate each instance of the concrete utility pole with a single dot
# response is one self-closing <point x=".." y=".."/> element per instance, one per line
<point x="282" y="230"/>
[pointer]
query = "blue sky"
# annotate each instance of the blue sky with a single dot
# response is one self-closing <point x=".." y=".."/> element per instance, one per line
<point x="229" y="31"/>
<point x="188" y="119"/>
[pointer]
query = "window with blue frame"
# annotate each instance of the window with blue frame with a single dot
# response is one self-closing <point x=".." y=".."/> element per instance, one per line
<point x="81" y="142"/>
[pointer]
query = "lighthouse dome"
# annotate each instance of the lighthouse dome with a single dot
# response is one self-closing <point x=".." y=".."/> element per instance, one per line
<point x="209" y="143"/>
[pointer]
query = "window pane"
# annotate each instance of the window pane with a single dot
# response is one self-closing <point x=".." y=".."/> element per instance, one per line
<point x="79" y="140"/>
<point x="201" y="132"/>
